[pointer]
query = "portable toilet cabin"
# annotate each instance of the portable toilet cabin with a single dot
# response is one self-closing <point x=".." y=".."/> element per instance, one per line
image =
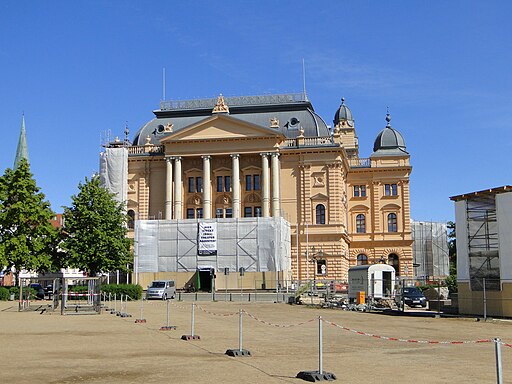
<point x="375" y="280"/>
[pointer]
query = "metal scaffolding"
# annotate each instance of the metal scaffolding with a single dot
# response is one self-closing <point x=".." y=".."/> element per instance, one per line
<point x="430" y="249"/>
<point x="483" y="242"/>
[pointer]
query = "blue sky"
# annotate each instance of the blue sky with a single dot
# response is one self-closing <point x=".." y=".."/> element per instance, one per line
<point x="79" y="69"/>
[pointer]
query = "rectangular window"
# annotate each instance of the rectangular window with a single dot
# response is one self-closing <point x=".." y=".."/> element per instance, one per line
<point x="227" y="183"/>
<point x="191" y="185"/>
<point x="218" y="213"/>
<point x="257" y="212"/>
<point x="247" y="212"/>
<point x="229" y="213"/>
<point x="219" y="184"/>
<point x="248" y="182"/>
<point x="359" y="190"/>
<point x="390" y="190"/>
<point x="256" y="184"/>
<point x="199" y="184"/>
<point x="199" y="213"/>
<point x="190" y="213"/>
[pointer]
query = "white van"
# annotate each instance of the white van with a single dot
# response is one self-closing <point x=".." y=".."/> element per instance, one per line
<point x="161" y="289"/>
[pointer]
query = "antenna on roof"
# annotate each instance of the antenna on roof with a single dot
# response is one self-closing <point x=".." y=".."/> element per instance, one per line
<point x="304" y="80"/>
<point x="163" y="84"/>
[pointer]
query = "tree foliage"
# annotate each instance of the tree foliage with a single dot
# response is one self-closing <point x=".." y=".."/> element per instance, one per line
<point x="27" y="238"/>
<point x="95" y="230"/>
<point x="451" y="280"/>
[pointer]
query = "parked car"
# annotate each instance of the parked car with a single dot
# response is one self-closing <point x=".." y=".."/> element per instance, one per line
<point x="39" y="290"/>
<point x="161" y="289"/>
<point x="413" y="297"/>
<point x="49" y="291"/>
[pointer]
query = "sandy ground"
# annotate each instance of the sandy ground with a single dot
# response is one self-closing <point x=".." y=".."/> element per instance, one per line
<point x="50" y="348"/>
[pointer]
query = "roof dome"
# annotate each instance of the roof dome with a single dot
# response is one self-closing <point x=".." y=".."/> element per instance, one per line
<point x="389" y="141"/>
<point x="343" y="114"/>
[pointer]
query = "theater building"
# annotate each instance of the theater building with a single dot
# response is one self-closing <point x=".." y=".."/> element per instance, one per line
<point x="268" y="169"/>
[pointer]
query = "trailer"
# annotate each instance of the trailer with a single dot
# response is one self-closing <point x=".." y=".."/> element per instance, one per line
<point x="374" y="281"/>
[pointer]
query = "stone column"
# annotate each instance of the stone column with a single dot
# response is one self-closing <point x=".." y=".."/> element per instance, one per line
<point x="276" y="204"/>
<point x="207" y="191"/>
<point x="168" y="188"/>
<point x="236" y="185"/>
<point x="177" y="189"/>
<point x="265" y="176"/>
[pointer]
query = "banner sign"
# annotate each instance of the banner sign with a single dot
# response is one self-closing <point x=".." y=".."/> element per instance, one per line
<point x="207" y="239"/>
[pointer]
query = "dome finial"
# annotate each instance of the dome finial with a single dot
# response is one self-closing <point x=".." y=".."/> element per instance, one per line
<point x="388" y="118"/>
<point x="342" y="101"/>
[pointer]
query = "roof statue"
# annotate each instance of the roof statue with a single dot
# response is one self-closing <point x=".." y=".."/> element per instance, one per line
<point x="221" y="106"/>
<point x="274" y="122"/>
<point x="22" y="150"/>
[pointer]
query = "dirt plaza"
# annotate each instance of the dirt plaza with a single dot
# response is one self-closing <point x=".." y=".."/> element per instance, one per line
<point x="283" y="340"/>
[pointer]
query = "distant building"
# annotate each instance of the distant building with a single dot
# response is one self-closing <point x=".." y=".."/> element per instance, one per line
<point x="484" y="251"/>
<point x="430" y="250"/>
<point x="254" y="162"/>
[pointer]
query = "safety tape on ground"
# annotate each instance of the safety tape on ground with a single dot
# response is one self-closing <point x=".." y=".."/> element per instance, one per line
<point x="80" y="294"/>
<point x="406" y="340"/>
<point x="506" y="344"/>
<point x="278" y="325"/>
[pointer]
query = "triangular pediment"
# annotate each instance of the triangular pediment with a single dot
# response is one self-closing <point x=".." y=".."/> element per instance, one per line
<point x="319" y="196"/>
<point x="222" y="127"/>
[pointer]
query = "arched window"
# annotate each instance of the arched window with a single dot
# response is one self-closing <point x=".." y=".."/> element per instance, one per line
<point x="131" y="219"/>
<point x="392" y="224"/>
<point x="360" y="223"/>
<point x="394" y="262"/>
<point x="320" y="214"/>
<point x="362" y="259"/>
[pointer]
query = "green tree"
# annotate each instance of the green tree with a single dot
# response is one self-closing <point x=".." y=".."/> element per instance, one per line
<point x="27" y="239"/>
<point x="451" y="281"/>
<point x="94" y="236"/>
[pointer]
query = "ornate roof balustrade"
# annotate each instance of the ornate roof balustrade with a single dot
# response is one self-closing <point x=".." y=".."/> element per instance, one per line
<point x="360" y="163"/>
<point x="168" y="105"/>
<point x="145" y="150"/>
<point x="309" y="142"/>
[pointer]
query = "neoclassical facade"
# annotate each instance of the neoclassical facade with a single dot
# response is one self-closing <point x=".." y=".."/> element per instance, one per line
<point x="269" y="156"/>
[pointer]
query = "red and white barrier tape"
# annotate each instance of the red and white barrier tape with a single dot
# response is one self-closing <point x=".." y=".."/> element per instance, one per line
<point x="278" y="325"/>
<point x="216" y="314"/>
<point x="407" y="340"/>
<point x="80" y="294"/>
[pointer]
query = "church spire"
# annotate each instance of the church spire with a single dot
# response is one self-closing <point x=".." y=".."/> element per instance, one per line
<point x="22" y="150"/>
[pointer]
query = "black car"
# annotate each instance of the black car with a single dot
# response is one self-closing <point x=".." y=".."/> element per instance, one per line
<point x="413" y="297"/>
<point x="39" y="290"/>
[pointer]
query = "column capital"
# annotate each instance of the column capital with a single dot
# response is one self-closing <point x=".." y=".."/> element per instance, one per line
<point x="169" y="158"/>
<point x="235" y="155"/>
<point x="206" y="157"/>
<point x="265" y="154"/>
<point x="275" y="154"/>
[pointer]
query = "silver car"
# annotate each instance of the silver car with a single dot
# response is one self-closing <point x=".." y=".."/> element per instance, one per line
<point x="161" y="289"/>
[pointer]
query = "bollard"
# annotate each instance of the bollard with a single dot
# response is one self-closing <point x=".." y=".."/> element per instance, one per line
<point x="497" y="349"/>
<point x="141" y="319"/>
<point x="319" y="375"/>
<point x="240" y="351"/>
<point x="114" y="311"/>
<point x="485" y="299"/>
<point x="192" y="335"/>
<point x="168" y="327"/>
